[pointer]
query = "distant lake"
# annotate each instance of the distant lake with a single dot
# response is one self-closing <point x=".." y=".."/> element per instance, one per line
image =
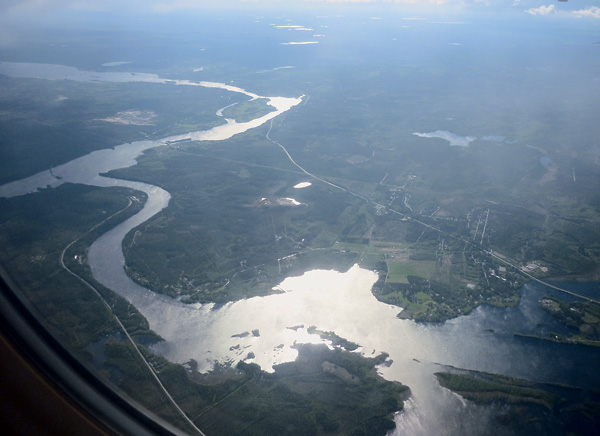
<point x="452" y="138"/>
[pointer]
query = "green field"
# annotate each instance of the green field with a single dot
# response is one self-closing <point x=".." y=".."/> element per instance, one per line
<point x="399" y="271"/>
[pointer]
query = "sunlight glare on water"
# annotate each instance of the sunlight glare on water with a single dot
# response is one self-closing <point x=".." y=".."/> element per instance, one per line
<point x="329" y="300"/>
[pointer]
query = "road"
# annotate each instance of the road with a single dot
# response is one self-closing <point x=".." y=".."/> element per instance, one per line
<point x="109" y="308"/>
<point x="479" y="246"/>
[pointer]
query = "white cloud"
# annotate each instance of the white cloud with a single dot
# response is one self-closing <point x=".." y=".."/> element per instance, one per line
<point x="299" y="42"/>
<point x="591" y="12"/>
<point x="542" y="10"/>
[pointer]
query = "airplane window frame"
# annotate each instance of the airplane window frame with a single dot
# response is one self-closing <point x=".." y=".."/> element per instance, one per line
<point x="111" y="412"/>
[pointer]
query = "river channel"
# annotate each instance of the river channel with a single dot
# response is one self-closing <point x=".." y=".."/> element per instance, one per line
<point x="330" y="300"/>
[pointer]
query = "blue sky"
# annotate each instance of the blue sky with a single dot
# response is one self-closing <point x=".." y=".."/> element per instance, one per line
<point x="19" y="16"/>
<point x="575" y="8"/>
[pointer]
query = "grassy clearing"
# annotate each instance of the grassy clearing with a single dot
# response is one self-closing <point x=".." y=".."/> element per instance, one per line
<point x="399" y="271"/>
<point x="350" y="246"/>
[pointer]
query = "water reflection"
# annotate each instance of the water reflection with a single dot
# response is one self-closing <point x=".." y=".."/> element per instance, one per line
<point x="343" y="302"/>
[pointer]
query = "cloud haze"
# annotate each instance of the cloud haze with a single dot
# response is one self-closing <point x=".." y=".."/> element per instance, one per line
<point x="24" y="7"/>
<point x="591" y="12"/>
<point x="173" y="5"/>
<point x="542" y="10"/>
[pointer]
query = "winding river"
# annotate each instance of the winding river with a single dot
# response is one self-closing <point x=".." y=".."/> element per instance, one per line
<point x="330" y="300"/>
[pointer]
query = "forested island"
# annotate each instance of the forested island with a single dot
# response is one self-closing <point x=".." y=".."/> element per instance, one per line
<point x="523" y="407"/>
